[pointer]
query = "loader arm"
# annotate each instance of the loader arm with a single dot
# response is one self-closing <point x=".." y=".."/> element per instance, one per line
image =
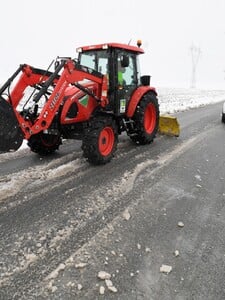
<point x="71" y="74"/>
<point x="11" y="133"/>
<point x="30" y="77"/>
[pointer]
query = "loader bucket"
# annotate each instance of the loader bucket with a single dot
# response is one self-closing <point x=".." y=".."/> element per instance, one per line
<point x="11" y="136"/>
<point x="169" y="125"/>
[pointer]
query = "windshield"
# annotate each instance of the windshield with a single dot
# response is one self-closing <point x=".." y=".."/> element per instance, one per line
<point x="96" y="60"/>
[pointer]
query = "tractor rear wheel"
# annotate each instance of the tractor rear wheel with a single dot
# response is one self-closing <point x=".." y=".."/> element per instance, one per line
<point x="146" y="119"/>
<point x="44" y="144"/>
<point x="100" y="140"/>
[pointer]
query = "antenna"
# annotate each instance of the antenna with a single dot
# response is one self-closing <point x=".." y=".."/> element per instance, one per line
<point x="129" y="41"/>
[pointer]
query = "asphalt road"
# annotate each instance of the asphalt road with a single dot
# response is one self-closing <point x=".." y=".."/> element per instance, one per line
<point x="62" y="221"/>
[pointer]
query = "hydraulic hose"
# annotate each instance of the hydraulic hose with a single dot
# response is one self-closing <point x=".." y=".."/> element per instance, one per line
<point x="49" y="82"/>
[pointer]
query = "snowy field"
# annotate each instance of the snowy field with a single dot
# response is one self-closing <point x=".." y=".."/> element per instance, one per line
<point x="175" y="100"/>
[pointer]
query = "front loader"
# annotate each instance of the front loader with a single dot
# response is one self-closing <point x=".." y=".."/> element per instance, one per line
<point x="93" y="98"/>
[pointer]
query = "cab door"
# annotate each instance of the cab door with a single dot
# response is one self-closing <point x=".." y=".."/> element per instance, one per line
<point x="127" y="79"/>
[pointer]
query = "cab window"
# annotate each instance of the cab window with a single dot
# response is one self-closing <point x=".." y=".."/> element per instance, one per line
<point x="127" y="74"/>
<point x="88" y="60"/>
<point x="96" y="60"/>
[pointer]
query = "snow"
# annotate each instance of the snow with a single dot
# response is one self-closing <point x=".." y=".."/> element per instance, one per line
<point x="24" y="145"/>
<point x="173" y="100"/>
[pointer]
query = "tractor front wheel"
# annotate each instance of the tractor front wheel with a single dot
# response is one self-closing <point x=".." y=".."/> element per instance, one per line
<point x="146" y="119"/>
<point x="100" y="140"/>
<point x="44" y="144"/>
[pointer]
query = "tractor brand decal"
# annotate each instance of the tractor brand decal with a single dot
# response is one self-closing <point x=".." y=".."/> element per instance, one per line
<point x="53" y="103"/>
<point x="122" y="105"/>
<point x="57" y="95"/>
<point x="84" y="101"/>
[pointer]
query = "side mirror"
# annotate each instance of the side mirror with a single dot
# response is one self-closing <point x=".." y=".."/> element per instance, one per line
<point x="124" y="61"/>
<point x="145" y="80"/>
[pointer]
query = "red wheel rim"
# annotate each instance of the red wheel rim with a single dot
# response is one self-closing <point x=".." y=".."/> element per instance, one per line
<point x="150" y="118"/>
<point x="106" y="141"/>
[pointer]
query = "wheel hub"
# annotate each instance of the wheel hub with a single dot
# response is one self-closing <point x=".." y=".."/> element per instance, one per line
<point x="106" y="141"/>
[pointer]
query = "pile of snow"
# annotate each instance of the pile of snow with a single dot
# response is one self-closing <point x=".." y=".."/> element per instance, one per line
<point x="173" y="100"/>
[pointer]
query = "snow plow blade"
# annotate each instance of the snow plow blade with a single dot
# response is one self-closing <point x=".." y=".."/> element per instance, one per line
<point x="169" y="125"/>
<point x="11" y="136"/>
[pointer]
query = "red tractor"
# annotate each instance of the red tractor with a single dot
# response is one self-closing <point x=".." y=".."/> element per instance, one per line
<point x="93" y="98"/>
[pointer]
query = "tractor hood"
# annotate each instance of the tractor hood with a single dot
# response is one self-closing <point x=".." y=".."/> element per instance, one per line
<point x="78" y="104"/>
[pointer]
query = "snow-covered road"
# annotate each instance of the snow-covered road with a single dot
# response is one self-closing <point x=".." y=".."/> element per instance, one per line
<point x="62" y="220"/>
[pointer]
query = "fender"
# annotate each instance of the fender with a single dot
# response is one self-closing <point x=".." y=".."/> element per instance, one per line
<point x="136" y="97"/>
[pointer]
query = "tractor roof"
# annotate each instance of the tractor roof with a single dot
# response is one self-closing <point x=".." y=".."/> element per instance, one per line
<point x="111" y="45"/>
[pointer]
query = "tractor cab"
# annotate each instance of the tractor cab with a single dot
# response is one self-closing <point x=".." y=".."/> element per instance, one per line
<point x="120" y="64"/>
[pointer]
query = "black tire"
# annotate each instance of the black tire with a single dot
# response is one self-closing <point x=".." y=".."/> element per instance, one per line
<point x="146" y="119"/>
<point x="100" y="140"/>
<point x="223" y="118"/>
<point x="44" y="144"/>
<point x="11" y="136"/>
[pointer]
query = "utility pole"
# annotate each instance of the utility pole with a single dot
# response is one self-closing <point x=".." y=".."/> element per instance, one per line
<point x="195" y="55"/>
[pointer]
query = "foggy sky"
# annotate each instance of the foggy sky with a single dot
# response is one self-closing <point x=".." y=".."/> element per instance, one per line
<point x="35" y="32"/>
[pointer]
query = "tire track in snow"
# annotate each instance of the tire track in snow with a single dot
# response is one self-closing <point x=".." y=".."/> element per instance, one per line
<point x="12" y="184"/>
<point x="13" y="155"/>
<point x="110" y="205"/>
